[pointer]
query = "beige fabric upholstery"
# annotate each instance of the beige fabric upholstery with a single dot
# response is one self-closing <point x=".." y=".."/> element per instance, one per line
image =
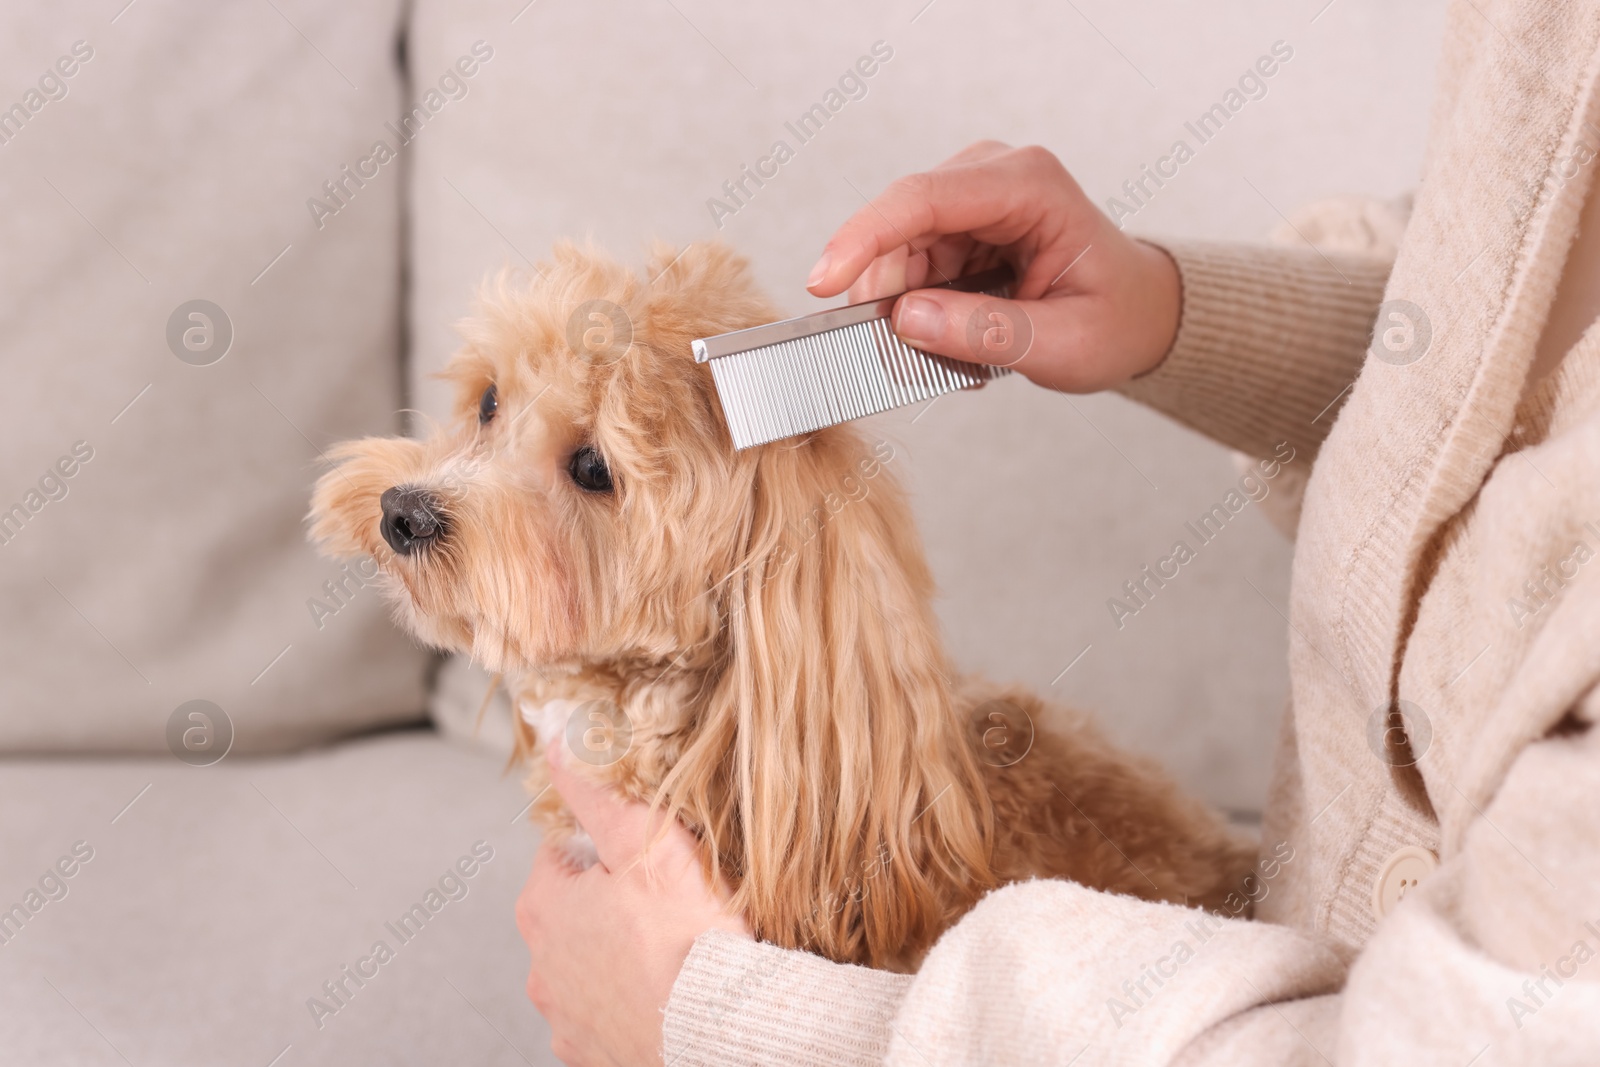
<point x="218" y="901"/>
<point x="152" y="546"/>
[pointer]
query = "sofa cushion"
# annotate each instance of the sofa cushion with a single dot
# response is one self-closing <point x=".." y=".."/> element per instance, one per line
<point x="185" y="335"/>
<point x="205" y="908"/>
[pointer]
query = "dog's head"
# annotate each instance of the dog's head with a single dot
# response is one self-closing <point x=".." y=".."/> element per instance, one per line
<point x="586" y="507"/>
<point x="584" y="499"/>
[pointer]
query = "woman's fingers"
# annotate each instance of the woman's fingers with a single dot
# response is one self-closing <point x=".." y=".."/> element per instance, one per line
<point x="995" y="199"/>
<point x="978" y="150"/>
<point x="616" y="824"/>
<point x="620" y="828"/>
<point x="926" y="205"/>
<point x="885" y="276"/>
<point x="1063" y="342"/>
<point x="978" y="328"/>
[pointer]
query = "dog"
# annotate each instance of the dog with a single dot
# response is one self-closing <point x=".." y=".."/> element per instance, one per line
<point x="744" y="640"/>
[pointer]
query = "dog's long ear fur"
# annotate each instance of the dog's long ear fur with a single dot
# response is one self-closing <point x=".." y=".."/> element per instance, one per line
<point x="861" y="817"/>
<point x="827" y="770"/>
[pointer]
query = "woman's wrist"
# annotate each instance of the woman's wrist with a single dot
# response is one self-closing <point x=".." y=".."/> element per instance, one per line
<point x="1163" y="307"/>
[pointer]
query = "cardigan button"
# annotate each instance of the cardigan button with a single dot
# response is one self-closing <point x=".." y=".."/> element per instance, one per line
<point x="1401" y="874"/>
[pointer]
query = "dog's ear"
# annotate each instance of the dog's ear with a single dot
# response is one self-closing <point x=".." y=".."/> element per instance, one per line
<point x="704" y="289"/>
<point x="858" y="825"/>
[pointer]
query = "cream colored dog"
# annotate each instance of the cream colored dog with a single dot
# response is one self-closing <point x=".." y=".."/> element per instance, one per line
<point x="744" y="639"/>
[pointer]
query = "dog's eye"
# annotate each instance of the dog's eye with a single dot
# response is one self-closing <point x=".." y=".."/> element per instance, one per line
<point x="488" y="404"/>
<point x="589" y="470"/>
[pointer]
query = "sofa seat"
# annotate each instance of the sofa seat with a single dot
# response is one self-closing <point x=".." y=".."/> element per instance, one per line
<point x="155" y="913"/>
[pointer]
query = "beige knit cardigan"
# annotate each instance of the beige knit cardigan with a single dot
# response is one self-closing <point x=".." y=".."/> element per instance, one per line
<point x="1444" y="652"/>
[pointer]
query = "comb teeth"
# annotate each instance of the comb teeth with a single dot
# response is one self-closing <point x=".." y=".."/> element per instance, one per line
<point x="799" y="375"/>
<point x="794" y="387"/>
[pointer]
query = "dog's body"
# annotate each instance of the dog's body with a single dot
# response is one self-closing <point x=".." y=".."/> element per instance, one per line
<point x="746" y="639"/>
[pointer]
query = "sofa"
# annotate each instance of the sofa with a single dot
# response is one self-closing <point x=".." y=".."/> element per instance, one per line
<point x="245" y="819"/>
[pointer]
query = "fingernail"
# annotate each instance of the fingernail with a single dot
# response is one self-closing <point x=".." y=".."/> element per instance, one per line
<point x="917" y="318"/>
<point x="820" y="271"/>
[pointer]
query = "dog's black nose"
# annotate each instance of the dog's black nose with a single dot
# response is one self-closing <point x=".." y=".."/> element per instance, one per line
<point x="412" y="518"/>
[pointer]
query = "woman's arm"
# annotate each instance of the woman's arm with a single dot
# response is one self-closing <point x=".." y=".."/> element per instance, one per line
<point x="1269" y="342"/>
<point x="1043" y="972"/>
<point x="741" y="1001"/>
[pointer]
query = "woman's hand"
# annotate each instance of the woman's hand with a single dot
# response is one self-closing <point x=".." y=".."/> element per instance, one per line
<point x="1092" y="309"/>
<point x="607" y="943"/>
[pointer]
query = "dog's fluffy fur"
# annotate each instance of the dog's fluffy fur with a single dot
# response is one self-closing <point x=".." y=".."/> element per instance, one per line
<point x="761" y="618"/>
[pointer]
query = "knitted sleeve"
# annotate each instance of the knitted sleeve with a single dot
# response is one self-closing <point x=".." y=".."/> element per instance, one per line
<point x="1040" y="972"/>
<point x="1268" y="345"/>
<point x="739" y="1001"/>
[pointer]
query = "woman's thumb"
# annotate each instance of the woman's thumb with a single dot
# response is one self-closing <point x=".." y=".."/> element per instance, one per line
<point x="616" y="824"/>
<point x="966" y="326"/>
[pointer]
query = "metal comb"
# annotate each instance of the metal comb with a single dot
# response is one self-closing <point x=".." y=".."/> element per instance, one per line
<point x="801" y="374"/>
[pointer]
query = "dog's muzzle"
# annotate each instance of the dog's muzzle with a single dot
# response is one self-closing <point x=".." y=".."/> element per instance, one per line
<point x="412" y="518"/>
